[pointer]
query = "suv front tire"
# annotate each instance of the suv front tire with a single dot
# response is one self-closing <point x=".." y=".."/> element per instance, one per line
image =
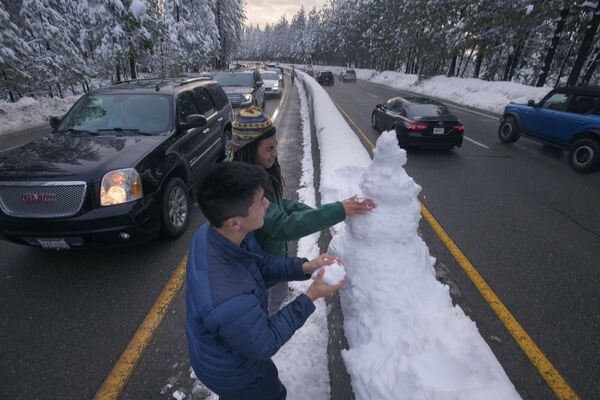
<point x="175" y="208"/>
<point x="507" y="132"/>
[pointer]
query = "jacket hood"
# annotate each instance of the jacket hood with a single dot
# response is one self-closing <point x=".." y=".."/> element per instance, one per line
<point x="74" y="155"/>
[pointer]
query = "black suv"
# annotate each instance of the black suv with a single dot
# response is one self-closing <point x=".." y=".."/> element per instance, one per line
<point x="325" y="78"/>
<point x="118" y="168"/>
<point x="243" y="88"/>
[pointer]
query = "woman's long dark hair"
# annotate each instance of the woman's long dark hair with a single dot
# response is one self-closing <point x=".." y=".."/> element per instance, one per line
<point x="249" y="154"/>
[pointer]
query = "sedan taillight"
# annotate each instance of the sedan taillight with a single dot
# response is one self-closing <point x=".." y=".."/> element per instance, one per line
<point x="458" y="128"/>
<point x="414" y="126"/>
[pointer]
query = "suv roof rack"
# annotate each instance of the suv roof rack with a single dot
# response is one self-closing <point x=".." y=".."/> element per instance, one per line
<point x="196" y="79"/>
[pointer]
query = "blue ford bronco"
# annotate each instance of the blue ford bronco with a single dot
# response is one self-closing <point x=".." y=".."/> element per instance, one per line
<point x="567" y="118"/>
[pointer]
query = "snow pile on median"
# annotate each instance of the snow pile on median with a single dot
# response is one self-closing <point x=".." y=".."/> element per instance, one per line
<point x="416" y="342"/>
<point x="406" y="338"/>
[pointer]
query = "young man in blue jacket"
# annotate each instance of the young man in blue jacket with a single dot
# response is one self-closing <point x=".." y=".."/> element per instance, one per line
<point x="231" y="337"/>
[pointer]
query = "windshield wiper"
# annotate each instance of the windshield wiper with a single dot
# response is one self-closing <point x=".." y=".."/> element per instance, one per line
<point x="71" y="130"/>
<point x="127" y="130"/>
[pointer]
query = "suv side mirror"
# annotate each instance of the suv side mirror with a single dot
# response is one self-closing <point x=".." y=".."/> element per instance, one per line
<point x="193" y="121"/>
<point x="55" y="122"/>
<point x="531" y="103"/>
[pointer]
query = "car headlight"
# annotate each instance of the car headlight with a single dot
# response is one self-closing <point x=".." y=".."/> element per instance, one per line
<point x="120" y="186"/>
<point x="247" y="97"/>
<point x="276" y="85"/>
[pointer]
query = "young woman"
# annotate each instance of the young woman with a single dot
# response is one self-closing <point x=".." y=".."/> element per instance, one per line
<point x="255" y="142"/>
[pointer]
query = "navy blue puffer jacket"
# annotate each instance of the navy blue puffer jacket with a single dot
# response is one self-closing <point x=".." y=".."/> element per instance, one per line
<point x="231" y="338"/>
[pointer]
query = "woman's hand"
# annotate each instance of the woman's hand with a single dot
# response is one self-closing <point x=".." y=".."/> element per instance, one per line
<point x="353" y="206"/>
<point x="324" y="259"/>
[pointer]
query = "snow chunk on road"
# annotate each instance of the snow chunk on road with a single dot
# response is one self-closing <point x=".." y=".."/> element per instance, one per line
<point x="405" y="336"/>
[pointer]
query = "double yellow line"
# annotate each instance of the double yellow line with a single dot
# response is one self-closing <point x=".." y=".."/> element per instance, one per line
<point x="553" y="378"/>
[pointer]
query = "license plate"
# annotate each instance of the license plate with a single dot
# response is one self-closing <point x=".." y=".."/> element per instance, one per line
<point x="54" y="244"/>
<point x="438" y="131"/>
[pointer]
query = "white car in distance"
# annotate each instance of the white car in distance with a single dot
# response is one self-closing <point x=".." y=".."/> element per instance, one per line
<point x="271" y="80"/>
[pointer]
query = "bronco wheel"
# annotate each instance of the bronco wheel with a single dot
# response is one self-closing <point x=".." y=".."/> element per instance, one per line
<point x="507" y="132"/>
<point x="584" y="156"/>
<point x="374" y="121"/>
<point x="175" y="208"/>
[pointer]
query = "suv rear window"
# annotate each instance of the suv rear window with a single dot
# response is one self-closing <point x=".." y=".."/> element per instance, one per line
<point x="350" y="72"/>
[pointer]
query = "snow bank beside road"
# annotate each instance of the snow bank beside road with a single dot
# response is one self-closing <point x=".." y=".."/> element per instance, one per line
<point x="485" y="95"/>
<point x="406" y="339"/>
<point x="29" y="112"/>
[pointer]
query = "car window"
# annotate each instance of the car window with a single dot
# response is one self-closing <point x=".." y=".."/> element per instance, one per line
<point x="218" y="95"/>
<point x="142" y="112"/>
<point x="582" y="104"/>
<point x="186" y="105"/>
<point x="389" y="104"/>
<point x="205" y="104"/>
<point x="557" y="101"/>
<point x="427" y="110"/>
<point x="228" y="79"/>
<point x="398" y="106"/>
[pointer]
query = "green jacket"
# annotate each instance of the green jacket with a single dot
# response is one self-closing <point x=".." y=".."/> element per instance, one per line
<point x="291" y="220"/>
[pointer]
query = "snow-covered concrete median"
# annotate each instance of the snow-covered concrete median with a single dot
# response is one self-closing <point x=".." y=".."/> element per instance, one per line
<point x="406" y="339"/>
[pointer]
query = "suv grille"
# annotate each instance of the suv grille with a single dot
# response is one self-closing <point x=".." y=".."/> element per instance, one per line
<point x="235" y="99"/>
<point x="41" y="199"/>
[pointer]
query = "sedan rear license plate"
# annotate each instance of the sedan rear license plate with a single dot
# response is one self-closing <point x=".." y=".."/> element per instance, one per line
<point x="57" y="244"/>
<point x="438" y="131"/>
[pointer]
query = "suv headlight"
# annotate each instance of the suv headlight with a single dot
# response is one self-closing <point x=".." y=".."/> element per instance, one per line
<point x="247" y="97"/>
<point x="120" y="186"/>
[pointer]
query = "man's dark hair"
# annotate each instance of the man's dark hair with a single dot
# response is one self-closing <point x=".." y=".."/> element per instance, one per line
<point x="228" y="189"/>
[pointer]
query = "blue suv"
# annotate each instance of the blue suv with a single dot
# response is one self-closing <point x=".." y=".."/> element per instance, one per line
<point x="567" y="118"/>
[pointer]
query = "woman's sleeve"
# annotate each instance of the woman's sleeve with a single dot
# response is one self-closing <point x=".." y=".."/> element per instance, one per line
<point x="297" y="224"/>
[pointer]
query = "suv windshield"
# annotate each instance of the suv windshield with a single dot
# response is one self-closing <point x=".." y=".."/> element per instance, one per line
<point x="242" y="79"/>
<point x="120" y="112"/>
<point x="269" y="75"/>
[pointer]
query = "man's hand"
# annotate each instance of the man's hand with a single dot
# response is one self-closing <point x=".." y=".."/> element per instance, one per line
<point x="354" y="206"/>
<point x="324" y="259"/>
<point x="320" y="289"/>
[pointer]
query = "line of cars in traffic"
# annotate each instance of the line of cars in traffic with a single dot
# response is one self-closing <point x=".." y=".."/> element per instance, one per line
<point x="120" y="166"/>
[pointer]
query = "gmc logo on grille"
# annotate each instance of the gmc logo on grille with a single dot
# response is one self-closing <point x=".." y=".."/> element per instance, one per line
<point x="38" y="198"/>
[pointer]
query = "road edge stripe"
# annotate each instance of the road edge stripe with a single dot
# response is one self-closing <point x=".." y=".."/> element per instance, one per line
<point x="119" y="375"/>
<point x="553" y="378"/>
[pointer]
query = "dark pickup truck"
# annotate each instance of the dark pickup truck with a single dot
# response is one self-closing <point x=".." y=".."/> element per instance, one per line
<point x="118" y="168"/>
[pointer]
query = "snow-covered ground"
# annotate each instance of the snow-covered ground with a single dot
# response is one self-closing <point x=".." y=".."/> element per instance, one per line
<point x="29" y="112"/>
<point x="406" y="339"/>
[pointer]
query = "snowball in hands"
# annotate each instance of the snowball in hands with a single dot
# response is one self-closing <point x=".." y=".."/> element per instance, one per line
<point x="333" y="275"/>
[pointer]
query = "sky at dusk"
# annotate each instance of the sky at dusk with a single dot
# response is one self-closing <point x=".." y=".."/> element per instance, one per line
<point x="270" y="11"/>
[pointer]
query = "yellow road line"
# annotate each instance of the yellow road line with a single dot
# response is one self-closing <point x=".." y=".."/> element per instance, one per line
<point x="123" y="368"/>
<point x="553" y="378"/>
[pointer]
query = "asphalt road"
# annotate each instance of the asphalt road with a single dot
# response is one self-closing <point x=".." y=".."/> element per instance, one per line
<point x="65" y="317"/>
<point x="530" y="226"/>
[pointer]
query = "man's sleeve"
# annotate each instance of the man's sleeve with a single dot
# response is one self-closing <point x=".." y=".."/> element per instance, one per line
<point x="275" y="268"/>
<point x="247" y="330"/>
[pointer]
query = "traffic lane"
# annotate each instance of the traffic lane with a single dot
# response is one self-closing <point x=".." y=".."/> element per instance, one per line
<point x="13" y="140"/>
<point x="513" y="218"/>
<point x="66" y="316"/>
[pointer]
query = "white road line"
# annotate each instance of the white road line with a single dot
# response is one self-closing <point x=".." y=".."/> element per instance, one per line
<point x="472" y="111"/>
<point x="476" y="142"/>
<point x="372" y="95"/>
